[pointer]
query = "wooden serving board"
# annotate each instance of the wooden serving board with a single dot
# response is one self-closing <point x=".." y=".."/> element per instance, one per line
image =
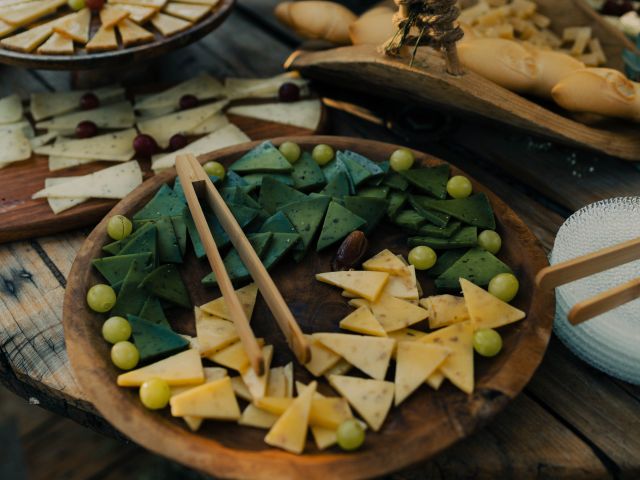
<point x="362" y="67"/>
<point x="425" y="424"/>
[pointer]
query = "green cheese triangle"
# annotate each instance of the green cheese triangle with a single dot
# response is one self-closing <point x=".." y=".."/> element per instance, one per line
<point x="256" y="179"/>
<point x="165" y="282"/>
<point x="409" y="219"/>
<point x="335" y="167"/>
<point x="374" y="192"/>
<point x="114" y="248"/>
<point x="274" y="195"/>
<point x="430" y="230"/>
<point x="474" y="210"/>
<point x="337" y="187"/>
<point x="432" y="180"/>
<point x="350" y="157"/>
<point x="306" y="217"/>
<point x="153" y="341"/>
<point x="145" y="241"/>
<point x="465" y="237"/>
<point x="423" y="206"/>
<point x="180" y="230"/>
<point x="232" y="179"/>
<point x="152" y="310"/>
<point x="357" y="172"/>
<point x="445" y="260"/>
<point x="396" y="181"/>
<point x="263" y="158"/>
<point x="238" y="196"/>
<point x="338" y="223"/>
<point x="114" y="269"/>
<point x="280" y="244"/>
<point x="131" y="296"/>
<point x="179" y="191"/>
<point x="477" y="266"/>
<point x="165" y="203"/>
<point x="277" y="223"/>
<point x="168" y="247"/>
<point x="396" y="202"/>
<point x="306" y="173"/>
<point x="371" y="209"/>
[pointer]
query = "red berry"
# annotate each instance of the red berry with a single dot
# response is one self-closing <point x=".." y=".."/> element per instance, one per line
<point x="177" y="141"/>
<point x="289" y="92"/>
<point x="94" y="5"/>
<point x="145" y="145"/>
<point x="86" y="129"/>
<point x="89" y="101"/>
<point x="188" y="101"/>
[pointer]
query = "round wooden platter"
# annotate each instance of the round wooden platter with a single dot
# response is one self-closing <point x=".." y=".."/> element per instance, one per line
<point x="422" y="426"/>
<point x="82" y="60"/>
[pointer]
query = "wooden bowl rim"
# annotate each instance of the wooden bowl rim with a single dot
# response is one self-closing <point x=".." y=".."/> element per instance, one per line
<point x="206" y="454"/>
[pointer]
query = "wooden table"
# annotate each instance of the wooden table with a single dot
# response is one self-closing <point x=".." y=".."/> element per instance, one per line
<point x="571" y="421"/>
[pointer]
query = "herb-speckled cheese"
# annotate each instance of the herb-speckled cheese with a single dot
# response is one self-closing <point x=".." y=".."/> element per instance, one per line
<point x="116" y="146"/>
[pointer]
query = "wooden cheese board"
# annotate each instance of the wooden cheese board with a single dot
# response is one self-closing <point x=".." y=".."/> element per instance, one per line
<point x="423" y="426"/>
<point x="428" y="82"/>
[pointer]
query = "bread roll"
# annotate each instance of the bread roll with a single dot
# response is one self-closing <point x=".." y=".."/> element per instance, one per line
<point x="374" y="27"/>
<point x="552" y="67"/>
<point x="602" y="91"/>
<point x="317" y="20"/>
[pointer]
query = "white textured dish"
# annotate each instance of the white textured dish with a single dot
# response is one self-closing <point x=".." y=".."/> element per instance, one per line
<point x="611" y="341"/>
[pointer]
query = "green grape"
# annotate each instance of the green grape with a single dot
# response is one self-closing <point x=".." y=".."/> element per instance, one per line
<point x="291" y="151"/>
<point x="350" y="435"/>
<point x="487" y="342"/>
<point x="322" y="154"/>
<point x="155" y="393"/>
<point x="214" y="168"/>
<point x="101" y="298"/>
<point x="119" y="227"/>
<point x="76" y="4"/>
<point x="423" y="258"/>
<point x="504" y="286"/>
<point x="125" y="355"/>
<point x="459" y="187"/>
<point x="116" y="329"/>
<point x="402" y="159"/>
<point x="490" y="241"/>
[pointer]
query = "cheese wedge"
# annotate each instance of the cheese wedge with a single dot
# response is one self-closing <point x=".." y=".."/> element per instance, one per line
<point x="57" y="44"/>
<point x="15" y="146"/>
<point x="60" y="163"/>
<point x="103" y="40"/>
<point x="213" y="333"/>
<point x="22" y="126"/>
<point x="112" y="182"/>
<point x="396" y="314"/>
<point x="211" y="3"/>
<point x="28" y="13"/>
<point x="187" y="11"/>
<point x="238" y="88"/>
<point x="458" y="367"/>
<point x="27" y="41"/>
<point x="326" y="412"/>
<point x="368" y="285"/>
<point x="214" y="400"/>
<point x="385" y="261"/>
<point x="404" y="335"/>
<point x="369" y="354"/>
<point x="211" y="124"/>
<point x="445" y="310"/>
<point x="290" y="430"/>
<point x="253" y="416"/>
<point x="211" y="374"/>
<point x="403" y="286"/>
<point x="341" y="368"/>
<point x="277" y="385"/>
<point x="247" y="296"/>
<point x="203" y="87"/>
<point x="138" y="13"/>
<point x="303" y="114"/>
<point x="164" y="127"/>
<point x="288" y="379"/>
<point x="6" y="28"/>
<point x="372" y="399"/>
<point x="234" y="356"/>
<point x="10" y="109"/>
<point x="416" y="361"/>
<point x="168" y="25"/>
<point x="435" y="380"/>
<point x="257" y="385"/>
<point x="485" y="310"/>
<point x="132" y="34"/>
<point x="156" y="4"/>
<point x="184" y="368"/>
<point x="117" y="115"/>
<point x="75" y="26"/>
<point x="48" y="104"/>
<point x="61" y="204"/>
<point x="111" y="15"/>
<point x="117" y="146"/>
<point x="225" y="137"/>
<point x="363" y="321"/>
<point x="42" y="139"/>
<point x="322" y="359"/>
<point x="241" y="389"/>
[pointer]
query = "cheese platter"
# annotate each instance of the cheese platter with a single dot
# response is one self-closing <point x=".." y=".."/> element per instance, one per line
<point x="308" y="228"/>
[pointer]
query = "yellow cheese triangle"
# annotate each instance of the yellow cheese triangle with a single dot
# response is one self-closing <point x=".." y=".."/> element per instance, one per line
<point x="403" y="286"/>
<point x="371" y="398"/>
<point x="211" y="374"/>
<point x="57" y="45"/>
<point x="324" y="437"/>
<point x="111" y="15"/>
<point x="212" y="400"/>
<point x="187" y="11"/>
<point x="290" y="431"/>
<point x="253" y="416"/>
<point x="6" y="28"/>
<point x="385" y="261"/>
<point x="359" y="302"/>
<point x="326" y="412"/>
<point x="27" y="41"/>
<point x="103" y="40"/>
<point x="275" y="405"/>
<point x="458" y="367"/>
<point x="132" y="34"/>
<point x="247" y="296"/>
<point x="363" y="321"/>
<point x="395" y="314"/>
<point x="241" y="389"/>
<point x="288" y="379"/>
<point x="277" y="384"/>
<point x="445" y="310"/>
<point x="485" y="310"/>
<point x="138" y="13"/>
<point x="416" y="361"/>
<point x="213" y="333"/>
<point x="364" y="284"/>
<point x="257" y="385"/>
<point x="404" y="335"/>
<point x="435" y="379"/>
<point x="75" y="26"/>
<point x="29" y="12"/>
<point x="233" y="356"/>
<point x="369" y="354"/>
<point x="339" y="368"/>
<point x="322" y="359"/>
<point x="184" y="368"/>
<point x="168" y="25"/>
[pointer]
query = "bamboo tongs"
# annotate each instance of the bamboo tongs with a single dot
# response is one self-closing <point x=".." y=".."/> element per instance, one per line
<point x="565" y="272"/>
<point x="197" y="185"/>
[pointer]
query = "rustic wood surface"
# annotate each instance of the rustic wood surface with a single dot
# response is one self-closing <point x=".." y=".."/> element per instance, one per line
<point x="571" y="421"/>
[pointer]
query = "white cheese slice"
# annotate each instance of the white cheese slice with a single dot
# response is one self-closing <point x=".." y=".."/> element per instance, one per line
<point x="303" y="114"/>
<point x="116" y="146"/>
<point x="60" y="162"/>
<point x="48" y="104"/>
<point x="118" y="115"/>
<point x="203" y="87"/>
<point x="211" y="124"/>
<point x="237" y="88"/>
<point x="112" y="182"/>
<point x="225" y="137"/>
<point x="10" y="109"/>
<point x="61" y="204"/>
<point x="23" y="126"/>
<point x="14" y="146"/>
<point x="41" y="140"/>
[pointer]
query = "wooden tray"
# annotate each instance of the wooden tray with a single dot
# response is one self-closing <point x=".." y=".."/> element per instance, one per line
<point x="362" y="67"/>
<point x="425" y="424"/>
<point x="82" y="60"/>
<point x="22" y="217"/>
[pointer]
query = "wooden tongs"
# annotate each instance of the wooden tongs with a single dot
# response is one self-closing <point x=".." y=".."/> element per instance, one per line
<point x="565" y="272"/>
<point x="197" y="185"/>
